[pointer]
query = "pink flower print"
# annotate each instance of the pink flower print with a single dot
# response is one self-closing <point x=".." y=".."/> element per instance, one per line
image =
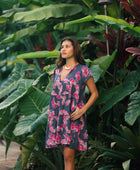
<point x="65" y="80"/>
<point x="63" y="99"/>
<point x="68" y="87"/>
<point x="85" y="135"/>
<point x="76" y="96"/>
<point x="55" y="94"/>
<point x="72" y="80"/>
<point x="67" y="102"/>
<point x="72" y="105"/>
<point x="57" y="71"/>
<point x="77" y="87"/>
<point x="81" y="148"/>
<point x="52" y="130"/>
<point x="73" y="125"/>
<point x="85" y="71"/>
<point x="77" y="75"/>
<point x="54" y="104"/>
<point x="58" y="137"/>
<point x="80" y="104"/>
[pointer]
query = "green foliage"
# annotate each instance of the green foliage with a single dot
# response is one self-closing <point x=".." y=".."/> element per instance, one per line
<point x="13" y="81"/>
<point x="133" y="107"/>
<point x="40" y="54"/>
<point x="62" y="10"/>
<point x="125" y="149"/>
<point x="115" y="94"/>
<point x="25" y="95"/>
<point x="118" y="24"/>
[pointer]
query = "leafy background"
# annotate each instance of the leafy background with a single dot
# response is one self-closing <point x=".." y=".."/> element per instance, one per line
<point x="30" y="35"/>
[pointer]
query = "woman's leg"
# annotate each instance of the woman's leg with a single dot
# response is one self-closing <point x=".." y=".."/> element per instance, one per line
<point x="69" y="155"/>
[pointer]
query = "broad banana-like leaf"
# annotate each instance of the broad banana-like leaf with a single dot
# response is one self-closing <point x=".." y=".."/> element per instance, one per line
<point x="115" y="94"/>
<point x="46" y="12"/>
<point x="96" y="71"/>
<point x="133" y="111"/>
<point x="27" y="32"/>
<point x="34" y="102"/>
<point x="20" y="34"/>
<point x="133" y="139"/>
<point x="104" y="62"/>
<point x="3" y="19"/>
<point x="121" y="141"/>
<point x="40" y="54"/>
<point x="80" y="25"/>
<point x="24" y="85"/>
<point x="75" y="25"/>
<point x="118" y="24"/>
<point x="115" y="154"/>
<point x="29" y="124"/>
<point x="13" y="81"/>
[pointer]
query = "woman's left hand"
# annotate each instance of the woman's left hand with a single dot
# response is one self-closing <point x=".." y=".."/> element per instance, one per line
<point x="76" y="114"/>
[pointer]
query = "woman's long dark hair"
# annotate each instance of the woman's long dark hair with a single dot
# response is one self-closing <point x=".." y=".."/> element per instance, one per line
<point x="77" y="52"/>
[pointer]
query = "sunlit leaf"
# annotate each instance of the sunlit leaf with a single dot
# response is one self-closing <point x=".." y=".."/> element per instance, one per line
<point x="23" y="88"/>
<point x="13" y="81"/>
<point x="118" y="24"/>
<point x="45" y="12"/>
<point x="40" y="54"/>
<point x="34" y="102"/>
<point x="133" y="111"/>
<point x="29" y="124"/>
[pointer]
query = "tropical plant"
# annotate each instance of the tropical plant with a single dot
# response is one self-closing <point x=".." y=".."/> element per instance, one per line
<point x="124" y="152"/>
<point x="32" y="32"/>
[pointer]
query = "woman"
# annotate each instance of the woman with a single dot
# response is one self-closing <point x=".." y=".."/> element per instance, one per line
<point x="66" y="125"/>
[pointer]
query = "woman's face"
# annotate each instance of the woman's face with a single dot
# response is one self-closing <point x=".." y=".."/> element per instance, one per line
<point x="67" y="50"/>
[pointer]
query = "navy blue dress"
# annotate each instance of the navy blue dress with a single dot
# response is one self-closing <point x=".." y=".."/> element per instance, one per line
<point x="66" y="96"/>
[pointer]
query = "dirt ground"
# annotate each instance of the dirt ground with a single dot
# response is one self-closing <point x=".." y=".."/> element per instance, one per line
<point x="9" y="162"/>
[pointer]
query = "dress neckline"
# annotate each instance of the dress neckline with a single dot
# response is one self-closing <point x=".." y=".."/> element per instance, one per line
<point x="61" y="80"/>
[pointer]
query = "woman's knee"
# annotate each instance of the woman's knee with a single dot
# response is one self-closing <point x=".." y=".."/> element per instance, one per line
<point x="69" y="154"/>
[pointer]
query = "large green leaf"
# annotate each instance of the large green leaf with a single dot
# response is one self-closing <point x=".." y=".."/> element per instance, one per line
<point x="104" y="62"/>
<point x="2" y="19"/>
<point x="13" y="81"/>
<point x="20" y="34"/>
<point x="83" y="25"/>
<point x="134" y="140"/>
<point x="34" y="102"/>
<point x="46" y="12"/>
<point x="96" y="71"/>
<point x="133" y="111"/>
<point x="118" y="24"/>
<point x="75" y="25"/>
<point x="40" y="54"/>
<point x="30" y="124"/>
<point x="115" y="94"/>
<point x="24" y="85"/>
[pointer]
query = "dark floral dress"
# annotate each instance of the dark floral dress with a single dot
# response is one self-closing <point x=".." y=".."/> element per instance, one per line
<point x="66" y="96"/>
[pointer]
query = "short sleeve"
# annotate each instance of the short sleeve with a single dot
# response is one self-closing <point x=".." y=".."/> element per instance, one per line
<point x="86" y="74"/>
